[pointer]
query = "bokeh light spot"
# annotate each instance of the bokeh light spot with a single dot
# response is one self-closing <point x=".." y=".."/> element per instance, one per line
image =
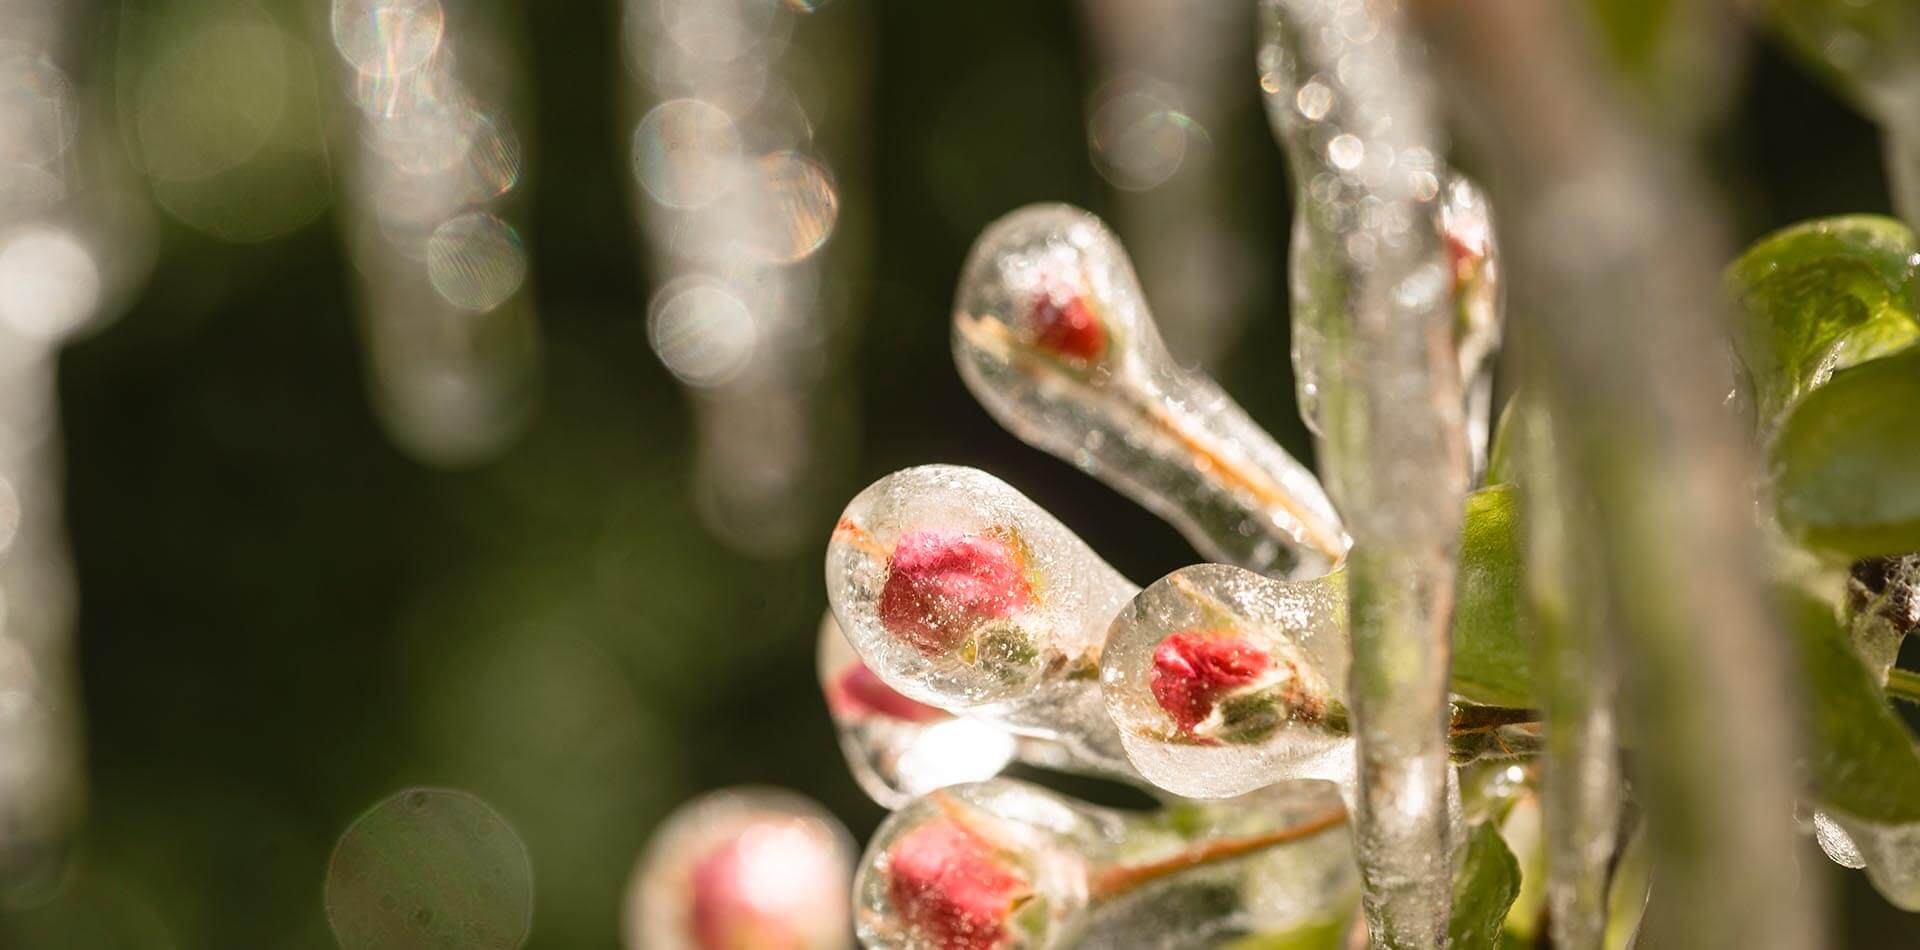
<point x="49" y="283"/>
<point x="387" y="37"/>
<point x="703" y="332"/>
<point x="412" y="872"/>
<point x="686" y="153"/>
<point x="37" y="120"/>
<point x="800" y="203"/>
<point x="475" y="261"/>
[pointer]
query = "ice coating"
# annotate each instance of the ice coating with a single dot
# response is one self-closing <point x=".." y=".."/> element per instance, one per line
<point x="898" y="748"/>
<point x="1464" y="222"/>
<point x="960" y="593"/>
<point x="994" y="865"/>
<point x="743" y="868"/>
<point x="1053" y="336"/>
<point x="1223" y="681"/>
<point x="1004" y="864"/>
<point x="1348" y="96"/>
<point x="1889" y="853"/>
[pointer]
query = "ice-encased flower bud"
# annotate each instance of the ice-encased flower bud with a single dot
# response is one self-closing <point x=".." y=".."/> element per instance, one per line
<point x="959" y="592"/>
<point x="899" y="748"/>
<point x="994" y="865"/>
<point x="1222" y="681"/>
<point x="1003" y="864"/>
<point x="1052" y="335"/>
<point x="743" y="868"/>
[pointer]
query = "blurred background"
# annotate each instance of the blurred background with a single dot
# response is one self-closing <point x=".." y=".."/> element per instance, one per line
<point x="561" y="548"/>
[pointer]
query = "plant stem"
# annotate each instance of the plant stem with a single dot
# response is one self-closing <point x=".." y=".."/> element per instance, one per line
<point x="1121" y="878"/>
<point x="1903" y="685"/>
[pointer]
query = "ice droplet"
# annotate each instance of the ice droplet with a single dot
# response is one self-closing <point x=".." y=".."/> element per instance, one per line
<point x="1052" y="335"/>
<point x="1222" y="681"/>
<point x="959" y="592"/>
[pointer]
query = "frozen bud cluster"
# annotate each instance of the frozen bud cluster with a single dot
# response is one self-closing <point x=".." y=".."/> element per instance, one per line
<point x="1002" y="864"/>
<point x="1052" y="335"/>
<point x="898" y="748"/>
<point x="960" y="593"/>
<point x="743" y="868"/>
<point x="1223" y="681"/>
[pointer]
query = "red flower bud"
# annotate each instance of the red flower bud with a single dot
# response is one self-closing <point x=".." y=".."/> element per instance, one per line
<point x="857" y="694"/>
<point x="1065" y="324"/>
<point x="942" y="585"/>
<point x="951" y="889"/>
<point x="1193" y="669"/>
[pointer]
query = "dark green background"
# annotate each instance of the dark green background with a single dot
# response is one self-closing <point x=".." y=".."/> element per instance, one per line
<point x="285" y="620"/>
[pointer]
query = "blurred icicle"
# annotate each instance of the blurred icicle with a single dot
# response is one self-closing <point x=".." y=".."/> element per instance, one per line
<point x="1167" y="74"/>
<point x="737" y="205"/>
<point x="1873" y="47"/>
<point x="1580" y="780"/>
<point x="1366" y="154"/>
<point x="1633" y="378"/>
<point x="448" y="320"/>
<point x="72" y="247"/>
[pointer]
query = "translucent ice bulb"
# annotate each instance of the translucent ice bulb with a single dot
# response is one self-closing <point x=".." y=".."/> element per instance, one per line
<point x="743" y="868"/>
<point x="961" y="593"/>
<point x="1002" y="864"/>
<point x="1222" y="681"/>
<point x="1052" y="335"/>
<point x="898" y="748"/>
<point x="1890" y="854"/>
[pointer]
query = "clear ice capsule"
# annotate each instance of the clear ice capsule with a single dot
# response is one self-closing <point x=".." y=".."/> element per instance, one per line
<point x="898" y="748"/>
<point x="1222" y="681"/>
<point x="1052" y="335"/>
<point x="961" y="593"/>
<point x="1890" y="854"/>
<point x="1002" y="864"/>
<point x="743" y="868"/>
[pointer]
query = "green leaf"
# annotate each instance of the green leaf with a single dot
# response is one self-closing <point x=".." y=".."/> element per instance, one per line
<point x="1484" y="886"/>
<point x="1492" y="655"/>
<point x="1627" y="892"/>
<point x="1319" y="935"/>
<point x="1820" y="296"/>
<point x="1503" y="457"/>
<point x="1862" y="760"/>
<point x="1846" y="462"/>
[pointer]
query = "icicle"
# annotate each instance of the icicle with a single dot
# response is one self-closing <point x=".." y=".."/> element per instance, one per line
<point x="1053" y="336"/>
<point x="737" y="205"/>
<point x="449" y="326"/>
<point x="1580" y="781"/>
<point x="1633" y="375"/>
<point x="74" y="245"/>
<point x="1365" y="153"/>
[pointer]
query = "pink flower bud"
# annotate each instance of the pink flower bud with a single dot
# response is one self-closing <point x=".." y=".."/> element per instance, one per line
<point x="1193" y="669"/>
<point x="1065" y="324"/>
<point x="942" y="585"/>
<point x="950" y="888"/>
<point x="760" y="890"/>
<point x="858" y="694"/>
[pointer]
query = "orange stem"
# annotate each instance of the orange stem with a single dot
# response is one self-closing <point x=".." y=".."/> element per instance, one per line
<point x="1120" y="879"/>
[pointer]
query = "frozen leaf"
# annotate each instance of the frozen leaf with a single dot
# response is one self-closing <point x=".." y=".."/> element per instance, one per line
<point x="1863" y="762"/>
<point x="1492" y="655"/>
<point x="1819" y="297"/>
<point x="1052" y="335"/>
<point x="1843" y="461"/>
<point x="1484" y="885"/>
